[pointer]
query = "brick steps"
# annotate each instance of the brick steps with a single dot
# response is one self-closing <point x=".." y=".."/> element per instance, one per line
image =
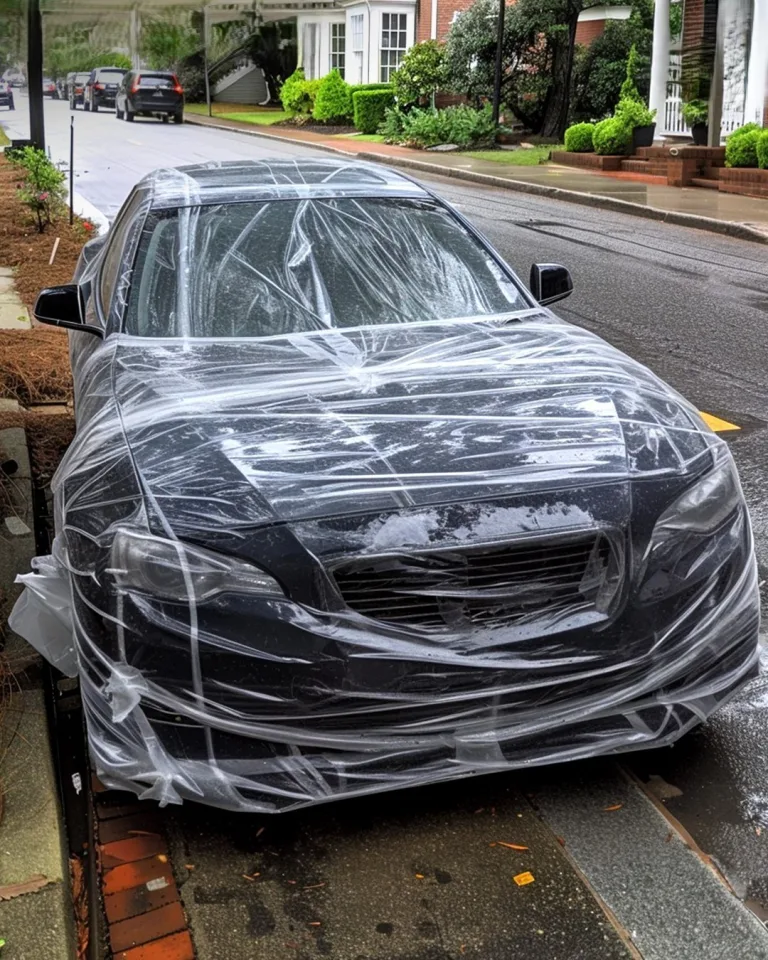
<point x="655" y="168"/>
<point x="705" y="182"/>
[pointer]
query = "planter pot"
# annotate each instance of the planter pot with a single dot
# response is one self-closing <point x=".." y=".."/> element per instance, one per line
<point x="643" y="136"/>
<point x="700" y="134"/>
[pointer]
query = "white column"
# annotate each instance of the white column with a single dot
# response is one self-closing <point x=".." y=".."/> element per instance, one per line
<point x="433" y="21"/>
<point x="757" y="73"/>
<point x="660" y="60"/>
<point x="718" y="79"/>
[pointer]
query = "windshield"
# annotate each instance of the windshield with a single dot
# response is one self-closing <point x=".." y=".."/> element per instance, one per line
<point x="287" y="266"/>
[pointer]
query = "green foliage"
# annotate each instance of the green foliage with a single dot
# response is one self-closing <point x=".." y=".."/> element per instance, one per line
<point x="43" y="188"/>
<point x="164" y="43"/>
<point x="354" y="87"/>
<point x="600" y="69"/>
<point x="295" y="94"/>
<point x="761" y="149"/>
<point x="421" y="74"/>
<point x="696" y="112"/>
<point x="629" y="89"/>
<point x="741" y="146"/>
<point x="578" y="138"/>
<point x="461" y="125"/>
<point x="634" y="113"/>
<point x="370" y="108"/>
<point x="333" y="101"/>
<point x="611" y="137"/>
<point x="272" y="50"/>
<point x="69" y="56"/>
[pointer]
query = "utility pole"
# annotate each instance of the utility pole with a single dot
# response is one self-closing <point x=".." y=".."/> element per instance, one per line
<point x="499" y="58"/>
<point x="35" y="73"/>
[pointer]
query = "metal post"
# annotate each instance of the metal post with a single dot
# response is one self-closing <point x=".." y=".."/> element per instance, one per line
<point x="35" y="73"/>
<point x="205" y="61"/>
<point x="499" y="57"/>
<point x="71" y="170"/>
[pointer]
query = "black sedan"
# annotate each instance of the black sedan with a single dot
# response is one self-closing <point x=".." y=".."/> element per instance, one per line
<point x="147" y="94"/>
<point x="349" y="509"/>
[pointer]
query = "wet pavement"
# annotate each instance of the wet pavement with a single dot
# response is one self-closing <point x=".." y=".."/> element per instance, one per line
<point x="693" y="306"/>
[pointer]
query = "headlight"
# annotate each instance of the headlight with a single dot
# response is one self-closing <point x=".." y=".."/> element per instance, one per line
<point x="703" y="507"/>
<point x="171" y="570"/>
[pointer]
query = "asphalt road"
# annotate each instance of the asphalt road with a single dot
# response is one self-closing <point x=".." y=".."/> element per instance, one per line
<point x="692" y="305"/>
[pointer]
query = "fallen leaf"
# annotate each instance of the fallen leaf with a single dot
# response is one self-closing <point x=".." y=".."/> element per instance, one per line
<point x="314" y="886"/>
<point x="162" y="858"/>
<point x="758" y="830"/>
<point x="315" y="923"/>
<point x="614" y="806"/>
<point x="512" y="846"/>
<point x="246" y="876"/>
<point x="561" y="841"/>
<point x="668" y="837"/>
<point x="521" y="879"/>
<point x="11" y="890"/>
<point x="189" y="866"/>
<point x="419" y="876"/>
<point x="292" y="882"/>
<point x="480" y="810"/>
<point x="492" y="844"/>
<point x="260" y="831"/>
<point x="463" y="949"/>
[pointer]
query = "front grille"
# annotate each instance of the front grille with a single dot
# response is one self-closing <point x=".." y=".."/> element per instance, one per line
<point x="486" y="585"/>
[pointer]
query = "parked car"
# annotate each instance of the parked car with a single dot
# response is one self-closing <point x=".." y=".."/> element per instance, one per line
<point x="101" y="88"/>
<point x="6" y="95"/>
<point x="50" y="88"/>
<point x="348" y="509"/>
<point x="150" y="94"/>
<point x="14" y="77"/>
<point x="76" y="88"/>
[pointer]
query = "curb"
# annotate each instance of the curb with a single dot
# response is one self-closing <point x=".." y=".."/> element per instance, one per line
<point x="85" y="209"/>
<point x="727" y="228"/>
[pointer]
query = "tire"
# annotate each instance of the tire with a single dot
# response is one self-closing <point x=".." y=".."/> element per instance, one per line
<point x="178" y="118"/>
<point x="94" y="108"/>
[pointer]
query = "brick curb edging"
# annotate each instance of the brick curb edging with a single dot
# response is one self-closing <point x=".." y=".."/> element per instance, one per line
<point x="726" y="227"/>
<point x="144" y="914"/>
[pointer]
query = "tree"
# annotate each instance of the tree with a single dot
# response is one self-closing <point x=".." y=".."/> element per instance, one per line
<point x="421" y="74"/>
<point x="272" y="49"/>
<point x="164" y="43"/>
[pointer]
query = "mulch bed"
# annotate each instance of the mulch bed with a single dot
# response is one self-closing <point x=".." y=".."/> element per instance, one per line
<point x="22" y="247"/>
<point x="321" y="128"/>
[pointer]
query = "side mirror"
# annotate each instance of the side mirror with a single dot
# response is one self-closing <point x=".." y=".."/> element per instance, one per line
<point x="550" y="282"/>
<point x="62" y="307"/>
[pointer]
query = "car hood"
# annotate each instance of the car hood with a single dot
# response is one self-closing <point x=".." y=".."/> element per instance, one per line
<point x="388" y="418"/>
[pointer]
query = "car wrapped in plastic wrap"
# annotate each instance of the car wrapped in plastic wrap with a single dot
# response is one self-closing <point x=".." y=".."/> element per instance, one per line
<point x="347" y="510"/>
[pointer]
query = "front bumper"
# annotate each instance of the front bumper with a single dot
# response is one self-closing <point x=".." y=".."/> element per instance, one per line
<point x="265" y="733"/>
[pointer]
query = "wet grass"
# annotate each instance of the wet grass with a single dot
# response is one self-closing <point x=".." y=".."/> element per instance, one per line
<point x="247" y="113"/>
<point x="516" y="158"/>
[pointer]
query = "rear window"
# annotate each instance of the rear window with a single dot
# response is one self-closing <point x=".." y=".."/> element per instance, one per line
<point x="156" y="80"/>
<point x="110" y="76"/>
<point x="289" y="266"/>
<point x="81" y="77"/>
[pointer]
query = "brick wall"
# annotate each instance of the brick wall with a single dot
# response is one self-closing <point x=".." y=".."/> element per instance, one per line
<point x="698" y="47"/>
<point x="589" y="30"/>
<point x="445" y="12"/>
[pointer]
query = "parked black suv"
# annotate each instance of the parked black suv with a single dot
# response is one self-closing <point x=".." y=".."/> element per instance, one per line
<point x="150" y="94"/>
<point x="101" y="88"/>
<point x="76" y="88"/>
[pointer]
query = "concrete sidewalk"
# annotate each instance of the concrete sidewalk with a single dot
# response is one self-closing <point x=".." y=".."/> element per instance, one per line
<point x="746" y="217"/>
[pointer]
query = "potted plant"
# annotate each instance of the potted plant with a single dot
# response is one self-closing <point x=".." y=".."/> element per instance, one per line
<point x="639" y="119"/>
<point x="696" y="116"/>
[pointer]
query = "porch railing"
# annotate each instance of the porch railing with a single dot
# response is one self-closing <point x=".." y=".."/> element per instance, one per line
<point x="673" y="124"/>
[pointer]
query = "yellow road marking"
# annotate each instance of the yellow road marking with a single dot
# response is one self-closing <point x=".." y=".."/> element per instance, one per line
<point x="716" y="424"/>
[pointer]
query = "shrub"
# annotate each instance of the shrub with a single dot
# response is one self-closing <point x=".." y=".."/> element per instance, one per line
<point x="741" y="146"/>
<point x="333" y="103"/>
<point x="295" y="94"/>
<point x="696" y="112"/>
<point x="762" y="149"/>
<point x="611" y="136"/>
<point x="370" y="108"/>
<point x="634" y="113"/>
<point x="421" y="74"/>
<point x="578" y="138"/>
<point x="354" y="87"/>
<point x="43" y="189"/>
<point x="460" y="125"/>
<point x="629" y="89"/>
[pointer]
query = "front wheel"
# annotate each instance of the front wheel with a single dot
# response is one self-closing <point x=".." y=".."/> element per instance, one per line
<point x="178" y="118"/>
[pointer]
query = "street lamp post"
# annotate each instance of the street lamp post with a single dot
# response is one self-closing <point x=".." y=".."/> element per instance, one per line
<point x="35" y="73"/>
<point x="499" y="57"/>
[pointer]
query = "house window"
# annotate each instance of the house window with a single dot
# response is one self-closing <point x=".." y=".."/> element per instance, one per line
<point x="393" y="44"/>
<point x="338" y="46"/>
<point x="356" y="23"/>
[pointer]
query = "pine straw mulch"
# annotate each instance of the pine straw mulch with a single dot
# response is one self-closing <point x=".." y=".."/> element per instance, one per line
<point x="22" y="247"/>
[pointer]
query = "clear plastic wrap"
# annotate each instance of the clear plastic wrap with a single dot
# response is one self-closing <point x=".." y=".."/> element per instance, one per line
<point x="326" y="559"/>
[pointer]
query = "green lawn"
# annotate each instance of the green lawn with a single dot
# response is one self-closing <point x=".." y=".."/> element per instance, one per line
<point x="362" y="137"/>
<point x="248" y="113"/>
<point x="516" y="158"/>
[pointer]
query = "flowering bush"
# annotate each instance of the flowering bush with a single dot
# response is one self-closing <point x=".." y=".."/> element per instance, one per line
<point x="43" y="188"/>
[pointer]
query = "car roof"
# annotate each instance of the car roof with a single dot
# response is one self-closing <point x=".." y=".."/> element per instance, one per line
<point x="241" y="180"/>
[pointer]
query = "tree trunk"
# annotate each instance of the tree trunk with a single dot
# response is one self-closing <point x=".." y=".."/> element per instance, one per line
<point x="556" y="110"/>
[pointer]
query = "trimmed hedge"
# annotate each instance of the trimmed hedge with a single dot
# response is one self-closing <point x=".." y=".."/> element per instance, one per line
<point x="295" y="94"/>
<point x="612" y="137"/>
<point x="355" y="87"/>
<point x="370" y="108"/>
<point x="762" y="150"/>
<point x="333" y="103"/>
<point x="578" y="138"/>
<point x="741" y="146"/>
